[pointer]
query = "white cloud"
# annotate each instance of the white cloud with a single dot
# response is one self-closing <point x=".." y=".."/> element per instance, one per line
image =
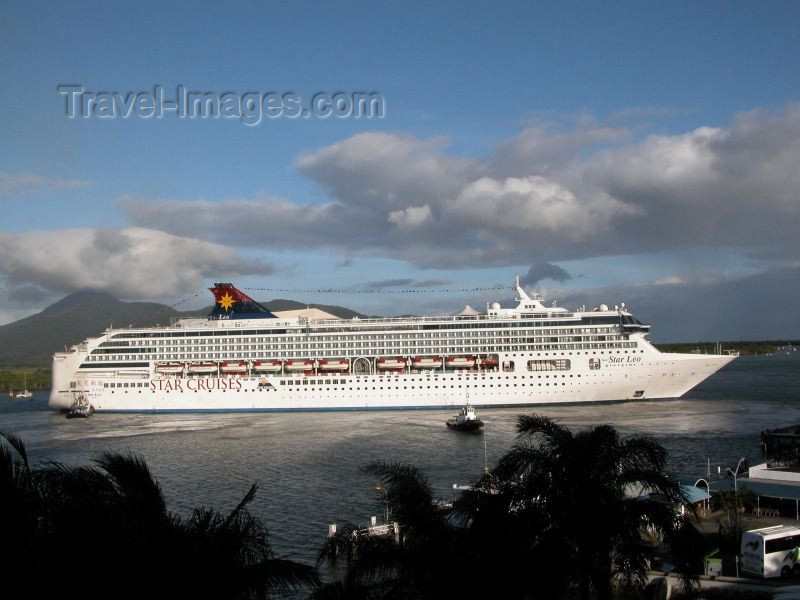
<point x="412" y="216"/>
<point x="544" y="195"/>
<point x="534" y="205"/>
<point x="132" y="263"/>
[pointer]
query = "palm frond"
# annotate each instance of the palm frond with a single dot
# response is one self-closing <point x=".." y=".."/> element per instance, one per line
<point x="248" y="498"/>
<point x="530" y="425"/>
<point x="283" y="576"/>
<point x="16" y="442"/>
<point x="134" y="481"/>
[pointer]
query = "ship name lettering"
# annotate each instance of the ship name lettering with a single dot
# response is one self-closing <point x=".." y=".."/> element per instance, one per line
<point x="625" y="359"/>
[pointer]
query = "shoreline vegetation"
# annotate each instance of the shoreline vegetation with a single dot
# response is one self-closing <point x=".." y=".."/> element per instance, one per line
<point x="35" y="379"/>
<point x="36" y="376"/>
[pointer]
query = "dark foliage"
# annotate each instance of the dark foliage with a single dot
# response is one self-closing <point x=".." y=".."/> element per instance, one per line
<point x="106" y="532"/>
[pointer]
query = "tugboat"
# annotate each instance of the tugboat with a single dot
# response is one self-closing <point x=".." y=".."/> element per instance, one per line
<point x="80" y="409"/>
<point x="466" y="420"/>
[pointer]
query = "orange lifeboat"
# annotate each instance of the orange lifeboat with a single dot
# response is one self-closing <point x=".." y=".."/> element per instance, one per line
<point x="202" y="367"/>
<point x="267" y="366"/>
<point x="460" y="362"/>
<point x="169" y="368"/>
<point x="427" y="362"/>
<point x="299" y="365"/>
<point x="391" y="364"/>
<point x="233" y="367"/>
<point x="334" y="364"/>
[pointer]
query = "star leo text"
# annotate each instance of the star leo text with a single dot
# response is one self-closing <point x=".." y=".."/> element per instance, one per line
<point x="620" y="359"/>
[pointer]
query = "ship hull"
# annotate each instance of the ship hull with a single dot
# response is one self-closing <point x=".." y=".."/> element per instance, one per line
<point x="656" y="376"/>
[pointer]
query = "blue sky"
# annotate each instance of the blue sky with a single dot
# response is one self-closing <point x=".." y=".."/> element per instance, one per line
<point x="628" y="144"/>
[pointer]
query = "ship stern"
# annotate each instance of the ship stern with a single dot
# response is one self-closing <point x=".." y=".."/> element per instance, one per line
<point x="62" y="371"/>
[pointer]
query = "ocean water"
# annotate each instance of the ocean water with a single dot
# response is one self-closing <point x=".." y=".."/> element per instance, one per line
<point x="308" y="465"/>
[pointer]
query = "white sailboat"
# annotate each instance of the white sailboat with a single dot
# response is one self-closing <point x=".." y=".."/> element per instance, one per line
<point x="25" y="393"/>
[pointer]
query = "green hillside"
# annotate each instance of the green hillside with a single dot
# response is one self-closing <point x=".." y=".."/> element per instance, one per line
<point x="30" y="342"/>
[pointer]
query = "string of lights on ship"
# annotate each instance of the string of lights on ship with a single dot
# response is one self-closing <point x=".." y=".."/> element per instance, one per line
<point x="352" y="291"/>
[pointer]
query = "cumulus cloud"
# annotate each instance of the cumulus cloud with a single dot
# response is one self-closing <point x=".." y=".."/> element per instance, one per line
<point x="132" y="263"/>
<point x="543" y="196"/>
<point x="385" y="171"/>
<point x="535" y="205"/>
<point x="412" y="216"/>
<point x="14" y="185"/>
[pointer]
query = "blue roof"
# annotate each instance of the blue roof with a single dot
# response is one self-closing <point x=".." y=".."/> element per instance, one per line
<point x="694" y="494"/>
<point x="768" y="489"/>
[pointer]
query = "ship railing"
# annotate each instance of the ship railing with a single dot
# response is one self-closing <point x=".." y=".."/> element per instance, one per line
<point x="371" y="321"/>
<point x="439" y="319"/>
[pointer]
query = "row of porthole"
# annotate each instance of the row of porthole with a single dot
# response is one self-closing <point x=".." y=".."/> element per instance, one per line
<point x="313" y="389"/>
<point x="413" y="387"/>
<point x="366" y="388"/>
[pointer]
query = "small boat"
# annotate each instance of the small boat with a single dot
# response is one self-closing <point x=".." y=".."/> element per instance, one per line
<point x="202" y="367"/>
<point x="169" y="368"/>
<point x="267" y="366"/>
<point x="299" y="365"/>
<point x="236" y="367"/>
<point x="80" y="409"/>
<point x="460" y="362"/>
<point x="334" y="364"/>
<point x="466" y="420"/>
<point x="25" y="394"/>
<point x="394" y="364"/>
<point x="427" y="362"/>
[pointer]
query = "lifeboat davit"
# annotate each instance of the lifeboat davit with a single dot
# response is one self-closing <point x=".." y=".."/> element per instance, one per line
<point x="202" y="367"/>
<point x="427" y="362"/>
<point x="170" y="368"/>
<point x="394" y="364"/>
<point x="299" y="365"/>
<point x="267" y="366"/>
<point x="334" y="364"/>
<point x="460" y="362"/>
<point x="490" y="362"/>
<point x="233" y="366"/>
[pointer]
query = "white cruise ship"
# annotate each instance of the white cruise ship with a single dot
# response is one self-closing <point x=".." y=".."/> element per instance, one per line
<point x="244" y="358"/>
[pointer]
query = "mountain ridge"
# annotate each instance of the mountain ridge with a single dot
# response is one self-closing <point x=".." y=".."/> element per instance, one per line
<point x="32" y="340"/>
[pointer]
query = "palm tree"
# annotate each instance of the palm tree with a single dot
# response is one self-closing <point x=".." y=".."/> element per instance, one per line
<point x="19" y="511"/>
<point x="576" y="501"/>
<point x="416" y="562"/>
<point x="106" y="532"/>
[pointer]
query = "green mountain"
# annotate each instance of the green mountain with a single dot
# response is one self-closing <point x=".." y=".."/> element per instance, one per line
<point x="33" y="340"/>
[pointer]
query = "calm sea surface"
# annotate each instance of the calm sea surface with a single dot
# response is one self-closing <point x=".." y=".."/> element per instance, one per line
<point x="307" y="465"/>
